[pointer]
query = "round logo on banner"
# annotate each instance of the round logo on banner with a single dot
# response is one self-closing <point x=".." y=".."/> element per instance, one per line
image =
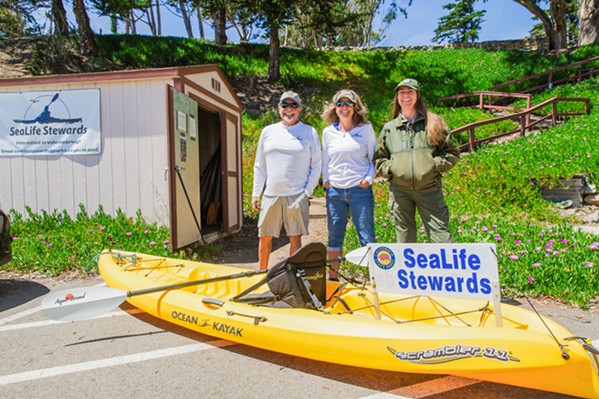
<point x="384" y="258"/>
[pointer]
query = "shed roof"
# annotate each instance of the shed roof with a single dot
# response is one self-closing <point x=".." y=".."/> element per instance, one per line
<point x="136" y="74"/>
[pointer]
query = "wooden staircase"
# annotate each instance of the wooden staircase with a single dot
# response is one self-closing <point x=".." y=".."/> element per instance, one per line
<point x="530" y="119"/>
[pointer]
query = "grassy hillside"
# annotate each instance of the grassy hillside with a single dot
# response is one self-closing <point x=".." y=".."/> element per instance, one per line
<point x="490" y="193"/>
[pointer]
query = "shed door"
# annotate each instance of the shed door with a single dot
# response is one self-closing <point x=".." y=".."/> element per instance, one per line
<point x="184" y="171"/>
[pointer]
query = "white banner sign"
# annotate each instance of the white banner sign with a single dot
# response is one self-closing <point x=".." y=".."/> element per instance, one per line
<point x="445" y="270"/>
<point x="50" y="122"/>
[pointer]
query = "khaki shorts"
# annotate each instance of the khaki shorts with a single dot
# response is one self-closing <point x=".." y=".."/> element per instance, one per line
<point x="275" y="213"/>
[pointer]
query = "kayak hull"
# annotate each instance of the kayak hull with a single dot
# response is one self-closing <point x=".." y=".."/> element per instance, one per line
<point x="409" y="334"/>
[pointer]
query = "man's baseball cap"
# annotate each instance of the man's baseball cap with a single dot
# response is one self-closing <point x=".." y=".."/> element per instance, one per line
<point x="411" y="83"/>
<point x="291" y="95"/>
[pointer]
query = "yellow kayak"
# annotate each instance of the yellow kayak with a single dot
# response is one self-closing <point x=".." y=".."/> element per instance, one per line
<point x="346" y="324"/>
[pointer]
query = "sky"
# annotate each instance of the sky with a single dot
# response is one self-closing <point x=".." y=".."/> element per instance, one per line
<point x="504" y="20"/>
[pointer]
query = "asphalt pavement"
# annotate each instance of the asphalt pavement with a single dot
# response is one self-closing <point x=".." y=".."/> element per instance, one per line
<point x="128" y="353"/>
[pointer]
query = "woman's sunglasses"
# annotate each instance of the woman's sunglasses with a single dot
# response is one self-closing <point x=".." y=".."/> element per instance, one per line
<point x="342" y="103"/>
<point x="292" y="105"/>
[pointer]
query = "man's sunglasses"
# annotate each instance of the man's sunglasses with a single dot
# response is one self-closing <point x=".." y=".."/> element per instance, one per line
<point x="342" y="103"/>
<point x="292" y="105"/>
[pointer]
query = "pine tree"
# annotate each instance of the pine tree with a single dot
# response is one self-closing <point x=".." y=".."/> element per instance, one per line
<point x="461" y="25"/>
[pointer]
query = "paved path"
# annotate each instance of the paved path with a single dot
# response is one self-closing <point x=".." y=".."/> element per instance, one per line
<point x="127" y="353"/>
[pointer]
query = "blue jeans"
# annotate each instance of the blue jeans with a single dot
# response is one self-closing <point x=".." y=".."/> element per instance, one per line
<point x="357" y="201"/>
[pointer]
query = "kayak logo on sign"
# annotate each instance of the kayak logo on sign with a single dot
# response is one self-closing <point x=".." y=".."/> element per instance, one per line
<point x="69" y="298"/>
<point x="384" y="258"/>
<point x="450" y="353"/>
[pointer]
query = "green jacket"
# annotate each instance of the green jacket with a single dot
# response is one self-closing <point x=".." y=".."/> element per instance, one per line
<point x="405" y="156"/>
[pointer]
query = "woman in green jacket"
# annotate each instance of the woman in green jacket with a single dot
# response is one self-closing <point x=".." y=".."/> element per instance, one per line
<point x="412" y="151"/>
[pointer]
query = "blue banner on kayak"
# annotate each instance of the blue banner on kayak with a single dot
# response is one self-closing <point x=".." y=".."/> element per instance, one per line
<point x="447" y="270"/>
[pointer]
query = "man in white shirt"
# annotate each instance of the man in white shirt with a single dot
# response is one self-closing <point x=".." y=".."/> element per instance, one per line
<point x="286" y="171"/>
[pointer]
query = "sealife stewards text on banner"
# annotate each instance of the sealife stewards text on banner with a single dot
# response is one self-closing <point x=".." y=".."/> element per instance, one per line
<point x="445" y="270"/>
<point x="50" y="123"/>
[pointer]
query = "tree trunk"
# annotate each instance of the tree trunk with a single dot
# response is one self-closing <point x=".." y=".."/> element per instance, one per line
<point x="558" y="16"/>
<point x="86" y="34"/>
<point x="158" y="19"/>
<point x="220" y="26"/>
<point x="588" y="15"/>
<point x="186" y="20"/>
<point x="59" y="14"/>
<point x="274" y="55"/>
<point x="554" y="30"/>
<point x="200" y="23"/>
<point x="151" y="20"/>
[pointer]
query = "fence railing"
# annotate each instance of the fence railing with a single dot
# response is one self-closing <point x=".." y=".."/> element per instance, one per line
<point x="552" y="81"/>
<point x="524" y="118"/>
<point x="485" y="99"/>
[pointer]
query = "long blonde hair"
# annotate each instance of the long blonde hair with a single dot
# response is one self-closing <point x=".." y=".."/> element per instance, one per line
<point x="433" y="123"/>
<point x="329" y="115"/>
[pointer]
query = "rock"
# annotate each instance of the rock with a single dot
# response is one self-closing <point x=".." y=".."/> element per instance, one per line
<point x="589" y="188"/>
<point x="590" y="218"/>
<point x="592" y="199"/>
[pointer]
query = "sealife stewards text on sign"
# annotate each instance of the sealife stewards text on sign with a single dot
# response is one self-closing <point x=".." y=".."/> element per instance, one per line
<point x="42" y="123"/>
<point x="447" y="270"/>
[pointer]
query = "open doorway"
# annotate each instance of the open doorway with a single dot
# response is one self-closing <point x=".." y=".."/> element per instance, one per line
<point x="211" y="184"/>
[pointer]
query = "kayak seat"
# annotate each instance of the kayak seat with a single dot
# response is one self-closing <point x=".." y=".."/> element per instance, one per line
<point x="299" y="281"/>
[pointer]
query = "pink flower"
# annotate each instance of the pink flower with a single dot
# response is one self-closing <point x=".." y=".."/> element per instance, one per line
<point x="384" y="225"/>
<point x="146" y="231"/>
<point x="165" y="241"/>
<point x="531" y="279"/>
<point x="518" y="242"/>
<point x="485" y="228"/>
<point x="536" y="264"/>
<point x="15" y="238"/>
<point x="90" y="231"/>
<point x="102" y="228"/>
<point x="128" y="234"/>
<point x="49" y="245"/>
<point x="589" y="264"/>
<point x="564" y="241"/>
<point x="497" y="237"/>
<point x="514" y="257"/>
<point x="152" y="243"/>
<point x="594" y="246"/>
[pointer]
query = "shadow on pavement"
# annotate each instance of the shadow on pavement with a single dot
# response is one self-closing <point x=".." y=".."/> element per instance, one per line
<point x="15" y="292"/>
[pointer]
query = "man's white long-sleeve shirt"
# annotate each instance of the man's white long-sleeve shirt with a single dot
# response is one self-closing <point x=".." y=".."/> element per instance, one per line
<point x="288" y="160"/>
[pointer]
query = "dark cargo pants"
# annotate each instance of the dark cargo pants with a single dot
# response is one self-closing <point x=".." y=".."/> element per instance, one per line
<point x="431" y="207"/>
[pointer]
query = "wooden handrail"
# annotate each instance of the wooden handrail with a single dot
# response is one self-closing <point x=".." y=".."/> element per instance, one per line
<point x="481" y="94"/>
<point x="489" y="94"/>
<point x="550" y="73"/>
<point x="524" y="117"/>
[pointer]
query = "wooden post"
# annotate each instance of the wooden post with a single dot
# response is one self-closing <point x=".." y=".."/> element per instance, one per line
<point x="528" y="115"/>
<point x="471" y="142"/>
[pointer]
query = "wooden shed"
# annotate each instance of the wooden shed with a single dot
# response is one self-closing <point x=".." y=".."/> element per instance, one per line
<point x="166" y="142"/>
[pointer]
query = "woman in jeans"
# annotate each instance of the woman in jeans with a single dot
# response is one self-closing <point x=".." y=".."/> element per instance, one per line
<point x="348" y="144"/>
